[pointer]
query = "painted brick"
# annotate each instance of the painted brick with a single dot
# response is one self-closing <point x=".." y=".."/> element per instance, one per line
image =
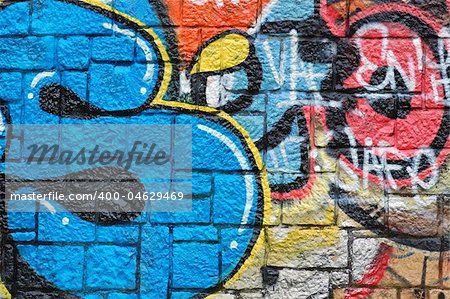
<point x="201" y="184"/>
<point x="300" y="284"/>
<point x="204" y="272"/>
<point x="74" y="52"/>
<point x="182" y="295"/>
<point x="22" y="220"/>
<point x="15" y="19"/>
<point x="122" y="296"/>
<point x="27" y="53"/>
<point x="109" y="80"/>
<point x="270" y="49"/>
<point x="213" y="16"/>
<point x="201" y="213"/>
<point x="114" y="48"/>
<point x="77" y="81"/>
<point x="53" y="228"/>
<point x="140" y="10"/>
<point x="24" y="236"/>
<point x="117" y="234"/>
<point x="155" y="254"/>
<point x="347" y="119"/>
<point x="105" y="263"/>
<point x="254" y="123"/>
<point x="50" y="260"/>
<point x="74" y="21"/>
<point x="228" y="214"/>
<point x="333" y="253"/>
<point x="195" y="233"/>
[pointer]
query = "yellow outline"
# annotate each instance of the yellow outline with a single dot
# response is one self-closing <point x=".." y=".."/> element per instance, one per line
<point x="259" y="244"/>
<point x="158" y="100"/>
<point x="3" y="290"/>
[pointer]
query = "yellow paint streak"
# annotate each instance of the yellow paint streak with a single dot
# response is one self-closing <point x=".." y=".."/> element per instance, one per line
<point x="288" y="244"/>
<point x="223" y="53"/>
<point x="3" y="291"/>
<point x="316" y="208"/>
<point x="298" y="241"/>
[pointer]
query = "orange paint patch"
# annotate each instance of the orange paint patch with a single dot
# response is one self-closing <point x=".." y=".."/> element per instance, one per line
<point x="212" y="17"/>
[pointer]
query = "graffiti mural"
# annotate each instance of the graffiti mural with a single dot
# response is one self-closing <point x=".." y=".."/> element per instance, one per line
<point x="149" y="255"/>
<point x="320" y="137"/>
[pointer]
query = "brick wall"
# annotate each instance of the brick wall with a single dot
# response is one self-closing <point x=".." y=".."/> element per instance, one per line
<point x="319" y="146"/>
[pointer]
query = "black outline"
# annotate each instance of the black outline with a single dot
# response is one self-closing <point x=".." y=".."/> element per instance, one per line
<point x="349" y="205"/>
<point x="294" y="116"/>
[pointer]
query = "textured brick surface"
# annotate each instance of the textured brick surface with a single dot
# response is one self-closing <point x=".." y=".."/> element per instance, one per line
<point x="322" y="170"/>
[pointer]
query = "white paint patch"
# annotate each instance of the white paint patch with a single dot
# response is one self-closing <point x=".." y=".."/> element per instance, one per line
<point x="219" y="3"/>
<point x="329" y="135"/>
<point x="284" y="153"/>
<point x="185" y="83"/>
<point x="117" y="29"/>
<point x="143" y="90"/>
<point x="48" y="205"/>
<point x="65" y="221"/>
<point x="41" y="76"/>
<point x="213" y="92"/>
<point x="364" y="252"/>
<point x="148" y="57"/>
<point x="314" y="153"/>
<point x="353" y="184"/>
<point x="199" y="2"/>
<point x="351" y="137"/>
<point x="358" y="113"/>
<point x="2" y="126"/>
<point x="318" y="102"/>
<point x="234" y="245"/>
